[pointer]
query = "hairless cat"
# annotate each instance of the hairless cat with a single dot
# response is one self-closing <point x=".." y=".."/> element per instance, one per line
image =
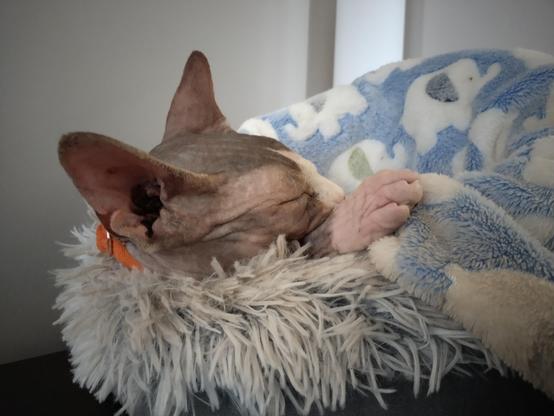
<point x="206" y="191"/>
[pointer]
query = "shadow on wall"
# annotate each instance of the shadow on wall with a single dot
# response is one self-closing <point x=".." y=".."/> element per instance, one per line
<point x="321" y="35"/>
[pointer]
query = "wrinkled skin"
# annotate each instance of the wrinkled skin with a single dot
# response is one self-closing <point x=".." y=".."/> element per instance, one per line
<point x="379" y="206"/>
<point x="206" y="191"/>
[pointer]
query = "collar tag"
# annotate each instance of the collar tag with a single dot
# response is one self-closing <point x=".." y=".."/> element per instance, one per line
<point x="113" y="247"/>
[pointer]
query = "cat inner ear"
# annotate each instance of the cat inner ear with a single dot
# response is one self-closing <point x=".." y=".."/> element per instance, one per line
<point x="125" y="186"/>
<point x="193" y="108"/>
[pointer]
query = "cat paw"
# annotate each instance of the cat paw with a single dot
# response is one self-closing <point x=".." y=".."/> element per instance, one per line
<point x="378" y="207"/>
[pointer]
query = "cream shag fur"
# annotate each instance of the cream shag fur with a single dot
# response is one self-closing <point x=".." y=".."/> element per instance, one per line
<point x="279" y="327"/>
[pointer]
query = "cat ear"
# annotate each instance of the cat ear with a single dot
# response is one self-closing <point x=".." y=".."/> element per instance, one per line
<point x="193" y="108"/>
<point x="125" y="186"/>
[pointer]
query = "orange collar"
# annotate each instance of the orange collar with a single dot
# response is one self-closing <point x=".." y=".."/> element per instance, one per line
<point x="110" y="244"/>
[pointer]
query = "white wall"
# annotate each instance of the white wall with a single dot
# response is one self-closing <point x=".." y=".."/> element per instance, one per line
<point x="369" y="34"/>
<point x="437" y="26"/>
<point x="112" y="67"/>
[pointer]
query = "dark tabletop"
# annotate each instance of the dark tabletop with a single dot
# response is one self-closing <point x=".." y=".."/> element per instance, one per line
<point x="43" y="386"/>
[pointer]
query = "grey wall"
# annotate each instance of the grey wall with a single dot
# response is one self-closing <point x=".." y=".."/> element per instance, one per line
<point x="437" y="26"/>
<point x="321" y="41"/>
<point x="111" y="67"/>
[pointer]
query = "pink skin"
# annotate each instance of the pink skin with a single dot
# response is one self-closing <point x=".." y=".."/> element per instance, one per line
<point x="378" y="207"/>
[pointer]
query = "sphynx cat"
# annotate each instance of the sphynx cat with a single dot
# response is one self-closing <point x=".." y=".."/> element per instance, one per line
<point x="206" y="191"/>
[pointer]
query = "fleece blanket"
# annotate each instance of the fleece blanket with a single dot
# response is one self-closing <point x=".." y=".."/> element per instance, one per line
<point x="480" y="126"/>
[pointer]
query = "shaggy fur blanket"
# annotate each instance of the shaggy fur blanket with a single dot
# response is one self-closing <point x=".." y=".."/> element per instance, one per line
<point x="279" y="327"/>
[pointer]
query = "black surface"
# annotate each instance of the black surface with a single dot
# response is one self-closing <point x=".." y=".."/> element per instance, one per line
<point x="43" y="386"/>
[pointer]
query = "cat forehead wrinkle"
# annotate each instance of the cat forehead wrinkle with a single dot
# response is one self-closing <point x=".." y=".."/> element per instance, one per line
<point x="227" y="153"/>
<point x="188" y="137"/>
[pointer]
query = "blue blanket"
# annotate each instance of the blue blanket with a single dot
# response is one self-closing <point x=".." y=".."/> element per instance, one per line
<point x="480" y="126"/>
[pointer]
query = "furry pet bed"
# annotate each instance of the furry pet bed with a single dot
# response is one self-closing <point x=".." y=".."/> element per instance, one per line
<point x="279" y="327"/>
